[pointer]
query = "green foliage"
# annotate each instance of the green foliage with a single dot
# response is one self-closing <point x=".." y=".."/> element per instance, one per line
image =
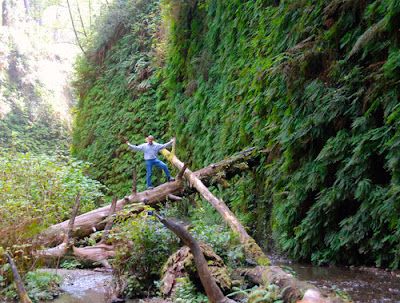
<point x="224" y="242"/>
<point x="34" y="106"/>
<point x="118" y="100"/>
<point x="259" y="294"/>
<point x="40" y="286"/>
<point x="72" y="264"/>
<point x="296" y="83"/>
<point x="46" y="134"/>
<point x="207" y="226"/>
<point x="37" y="191"/>
<point x="186" y="292"/>
<point x="269" y="294"/>
<point x="144" y="244"/>
<point x="314" y="84"/>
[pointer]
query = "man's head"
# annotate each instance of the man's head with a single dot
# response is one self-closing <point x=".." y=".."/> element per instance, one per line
<point x="150" y="139"/>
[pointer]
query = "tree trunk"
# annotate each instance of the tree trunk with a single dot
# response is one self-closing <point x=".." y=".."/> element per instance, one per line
<point x="292" y="288"/>
<point x="5" y="14"/>
<point x="98" y="253"/>
<point x="252" y="248"/>
<point x="38" y="12"/>
<point x="228" y="168"/>
<point x="85" y="225"/>
<point x="66" y="244"/>
<point x="81" y="19"/>
<point x="26" y="5"/>
<point x="74" y="28"/>
<point x="213" y="292"/>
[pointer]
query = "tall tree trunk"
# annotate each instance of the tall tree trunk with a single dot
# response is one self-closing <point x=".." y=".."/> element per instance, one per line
<point x="74" y="28"/>
<point x="5" y="14"/>
<point x="38" y="12"/>
<point x="26" y="5"/>
<point x="81" y="19"/>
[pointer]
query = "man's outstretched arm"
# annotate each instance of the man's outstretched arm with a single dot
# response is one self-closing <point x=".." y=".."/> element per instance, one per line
<point x="162" y="146"/>
<point x="135" y="147"/>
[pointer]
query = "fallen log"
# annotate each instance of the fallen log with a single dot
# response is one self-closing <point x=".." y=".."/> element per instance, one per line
<point x="98" y="253"/>
<point x="85" y="224"/>
<point x="292" y="288"/>
<point x="252" y="248"/>
<point x="85" y="255"/>
<point x="211" y="288"/>
<point x="226" y="169"/>
<point x="101" y="251"/>
<point x="94" y="220"/>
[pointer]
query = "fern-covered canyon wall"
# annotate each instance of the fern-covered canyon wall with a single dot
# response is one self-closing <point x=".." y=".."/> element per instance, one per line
<point x="312" y="84"/>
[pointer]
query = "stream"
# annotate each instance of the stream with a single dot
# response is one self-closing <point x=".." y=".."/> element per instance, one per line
<point x="363" y="285"/>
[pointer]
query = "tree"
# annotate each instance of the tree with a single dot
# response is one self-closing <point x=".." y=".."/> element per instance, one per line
<point x="6" y="13"/>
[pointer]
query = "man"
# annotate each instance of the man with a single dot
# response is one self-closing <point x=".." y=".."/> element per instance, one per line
<point x="151" y="150"/>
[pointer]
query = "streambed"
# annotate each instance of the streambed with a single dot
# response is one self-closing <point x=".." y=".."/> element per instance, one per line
<point x="364" y="285"/>
<point x="83" y="286"/>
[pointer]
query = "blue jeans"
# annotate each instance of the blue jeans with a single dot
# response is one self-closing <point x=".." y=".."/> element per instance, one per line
<point x="149" y="167"/>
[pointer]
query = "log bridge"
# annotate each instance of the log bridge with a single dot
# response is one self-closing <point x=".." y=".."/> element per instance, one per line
<point x="85" y="224"/>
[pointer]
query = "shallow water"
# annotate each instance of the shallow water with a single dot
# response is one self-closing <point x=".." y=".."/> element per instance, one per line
<point x="84" y="286"/>
<point x="364" y="285"/>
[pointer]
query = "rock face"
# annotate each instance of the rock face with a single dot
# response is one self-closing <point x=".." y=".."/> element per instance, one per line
<point x="181" y="264"/>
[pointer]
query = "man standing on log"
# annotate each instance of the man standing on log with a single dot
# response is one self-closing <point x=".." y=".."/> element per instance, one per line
<point x="151" y="150"/>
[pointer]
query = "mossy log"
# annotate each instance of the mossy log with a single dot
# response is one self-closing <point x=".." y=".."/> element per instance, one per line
<point x="213" y="292"/>
<point x="292" y="289"/>
<point x="86" y="255"/>
<point x="252" y="248"/>
<point x="92" y="221"/>
<point x="181" y="264"/>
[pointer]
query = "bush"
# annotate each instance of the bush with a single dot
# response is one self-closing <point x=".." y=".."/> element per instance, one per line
<point x="36" y="192"/>
<point x="39" y="286"/>
<point x="144" y="245"/>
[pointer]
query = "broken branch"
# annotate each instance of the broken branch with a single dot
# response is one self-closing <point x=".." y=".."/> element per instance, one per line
<point x="24" y="298"/>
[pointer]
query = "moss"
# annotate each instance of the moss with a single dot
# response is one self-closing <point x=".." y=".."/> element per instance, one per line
<point x="254" y="251"/>
<point x="182" y="264"/>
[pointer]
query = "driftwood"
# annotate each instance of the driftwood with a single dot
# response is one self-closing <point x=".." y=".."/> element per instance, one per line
<point x="292" y="288"/>
<point x="211" y="288"/>
<point x="23" y="296"/>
